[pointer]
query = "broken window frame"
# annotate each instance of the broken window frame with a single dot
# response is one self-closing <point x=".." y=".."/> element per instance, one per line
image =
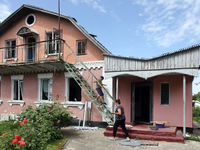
<point x="52" y="44"/>
<point x="81" y="47"/>
<point x="10" y="50"/>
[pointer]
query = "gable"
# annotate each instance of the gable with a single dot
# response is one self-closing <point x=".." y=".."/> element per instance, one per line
<point x="27" y="9"/>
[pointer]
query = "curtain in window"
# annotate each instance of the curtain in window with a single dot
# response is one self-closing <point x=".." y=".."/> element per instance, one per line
<point x="15" y="90"/>
<point x="21" y="90"/>
<point x="44" y="86"/>
<point x="50" y="90"/>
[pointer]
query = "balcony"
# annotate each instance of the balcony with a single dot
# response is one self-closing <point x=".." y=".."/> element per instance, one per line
<point x="32" y="57"/>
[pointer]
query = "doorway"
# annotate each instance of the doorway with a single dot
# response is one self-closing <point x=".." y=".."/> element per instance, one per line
<point x="30" y="49"/>
<point x="142" y="102"/>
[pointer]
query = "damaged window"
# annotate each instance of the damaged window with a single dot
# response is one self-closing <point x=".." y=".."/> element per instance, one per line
<point x="74" y="91"/>
<point x="53" y="44"/>
<point x="10" y="48"/>
<point x="17" y="89"/>
<point x="81" y="47"/>
<point x="46" y="89"/>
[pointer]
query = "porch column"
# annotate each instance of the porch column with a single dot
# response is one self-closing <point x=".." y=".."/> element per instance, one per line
<point x="117" y="85"/>
<point x="184" y="106"/>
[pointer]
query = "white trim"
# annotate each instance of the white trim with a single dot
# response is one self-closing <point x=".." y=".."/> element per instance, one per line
<point x="45" y="76"/>
<point x="5" y="60"/>
<point x="17" y="77"/>
<point x="74" y="104"/>
<point x="169" y="94"/>
<point x="52" y="54"/>
<point x="152" y="73"/>
<point x="1" y="101"/>
<point x="33" y="21"/>
<point x="16" y="102"/>
<point x="90" y="64"/>
<point x="41" y="102"/>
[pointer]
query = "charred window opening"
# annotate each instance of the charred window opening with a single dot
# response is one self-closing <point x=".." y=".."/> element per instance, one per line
<point x="75" y="91"/>
<point x="81" y="47"/>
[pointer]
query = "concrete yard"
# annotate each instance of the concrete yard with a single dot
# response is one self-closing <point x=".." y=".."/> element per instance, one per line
<point x="95" y="140"/>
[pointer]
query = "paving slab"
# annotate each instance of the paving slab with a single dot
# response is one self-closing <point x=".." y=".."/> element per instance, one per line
<point x="95" y="140"/>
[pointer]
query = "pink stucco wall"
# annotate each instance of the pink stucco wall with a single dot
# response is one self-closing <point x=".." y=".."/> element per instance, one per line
<point x="30" y="92"/>
<point x="70" y="34"/>
<point x="172" y="113"/>
<point x="45" y="22"/>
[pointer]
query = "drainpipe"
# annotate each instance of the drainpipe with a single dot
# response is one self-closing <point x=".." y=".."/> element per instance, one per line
<point x="184" y="106"/>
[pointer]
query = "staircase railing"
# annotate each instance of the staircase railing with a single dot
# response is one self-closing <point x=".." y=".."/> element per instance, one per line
<point x="87" y="89"/>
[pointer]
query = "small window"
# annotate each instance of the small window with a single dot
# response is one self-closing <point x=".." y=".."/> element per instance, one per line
<point x="30" y="20"/>
<point x="10" y="48"/>
<point x="81" y="47"/>
<point x="46" y="89"/>
<point x="165" y="94"/>
<point x="17" y="89"/>
<point x="74" y="91"/>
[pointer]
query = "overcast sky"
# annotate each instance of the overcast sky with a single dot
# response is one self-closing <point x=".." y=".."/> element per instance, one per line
<point x="138" y="28"/>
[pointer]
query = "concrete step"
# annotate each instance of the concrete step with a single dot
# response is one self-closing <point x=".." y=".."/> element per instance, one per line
<point x="169" y="134"/>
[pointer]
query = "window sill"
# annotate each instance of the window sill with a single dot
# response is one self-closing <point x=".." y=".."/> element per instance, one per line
<point x="0" y="102"/>
<point x="73" y="104"/>
<point x="37" y="104"/>
<point x="16" y="102"/>
<point x="53" y="54"/>
<point x="9" y="59"/>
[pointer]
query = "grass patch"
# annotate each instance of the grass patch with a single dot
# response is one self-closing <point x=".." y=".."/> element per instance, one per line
<point x="55" y="145"/>
<point x="193" y="138"/>
<point x="197" y="119"/>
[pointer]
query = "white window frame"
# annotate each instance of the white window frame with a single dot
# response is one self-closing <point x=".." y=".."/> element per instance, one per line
<point x="169" y="94"/>
<point x="67" y="103"/>
<point x="43" y="76"/>
<point x="29" y="25"/>
<point x="17" y="102"/>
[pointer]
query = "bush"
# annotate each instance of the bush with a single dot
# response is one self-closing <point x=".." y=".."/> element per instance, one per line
<point x="37" y="126"/>
<point x="196" y="112"/>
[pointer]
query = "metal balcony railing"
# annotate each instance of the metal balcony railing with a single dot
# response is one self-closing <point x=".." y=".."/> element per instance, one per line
<point x="32" y="52"/>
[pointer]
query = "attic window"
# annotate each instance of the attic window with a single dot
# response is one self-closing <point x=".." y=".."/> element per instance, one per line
<point x="30" y="20"/>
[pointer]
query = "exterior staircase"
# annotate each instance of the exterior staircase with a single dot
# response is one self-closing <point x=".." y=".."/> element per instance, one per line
<point x="88" y="89"/>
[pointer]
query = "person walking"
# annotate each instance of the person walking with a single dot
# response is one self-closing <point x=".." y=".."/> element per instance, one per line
<point x="99" y="91"/>
<point x="120" y="120"/>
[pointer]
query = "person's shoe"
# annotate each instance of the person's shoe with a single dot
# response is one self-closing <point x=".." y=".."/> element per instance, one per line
<point x="111" y="139"/>
<point x="104" y="103"/>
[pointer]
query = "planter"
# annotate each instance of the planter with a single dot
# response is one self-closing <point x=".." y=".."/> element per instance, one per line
<point x="160" y="125"/>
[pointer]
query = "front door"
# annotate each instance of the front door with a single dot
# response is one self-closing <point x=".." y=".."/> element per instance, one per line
<point x="30" y="49"/>
<point x="142" y="102"/>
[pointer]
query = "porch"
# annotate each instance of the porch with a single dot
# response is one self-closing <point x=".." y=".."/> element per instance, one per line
<point x="159" y="87"/>
<point x="143" y="132"/>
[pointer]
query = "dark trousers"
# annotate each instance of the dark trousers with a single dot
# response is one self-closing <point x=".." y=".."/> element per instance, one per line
<point x="122" y="124"/>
